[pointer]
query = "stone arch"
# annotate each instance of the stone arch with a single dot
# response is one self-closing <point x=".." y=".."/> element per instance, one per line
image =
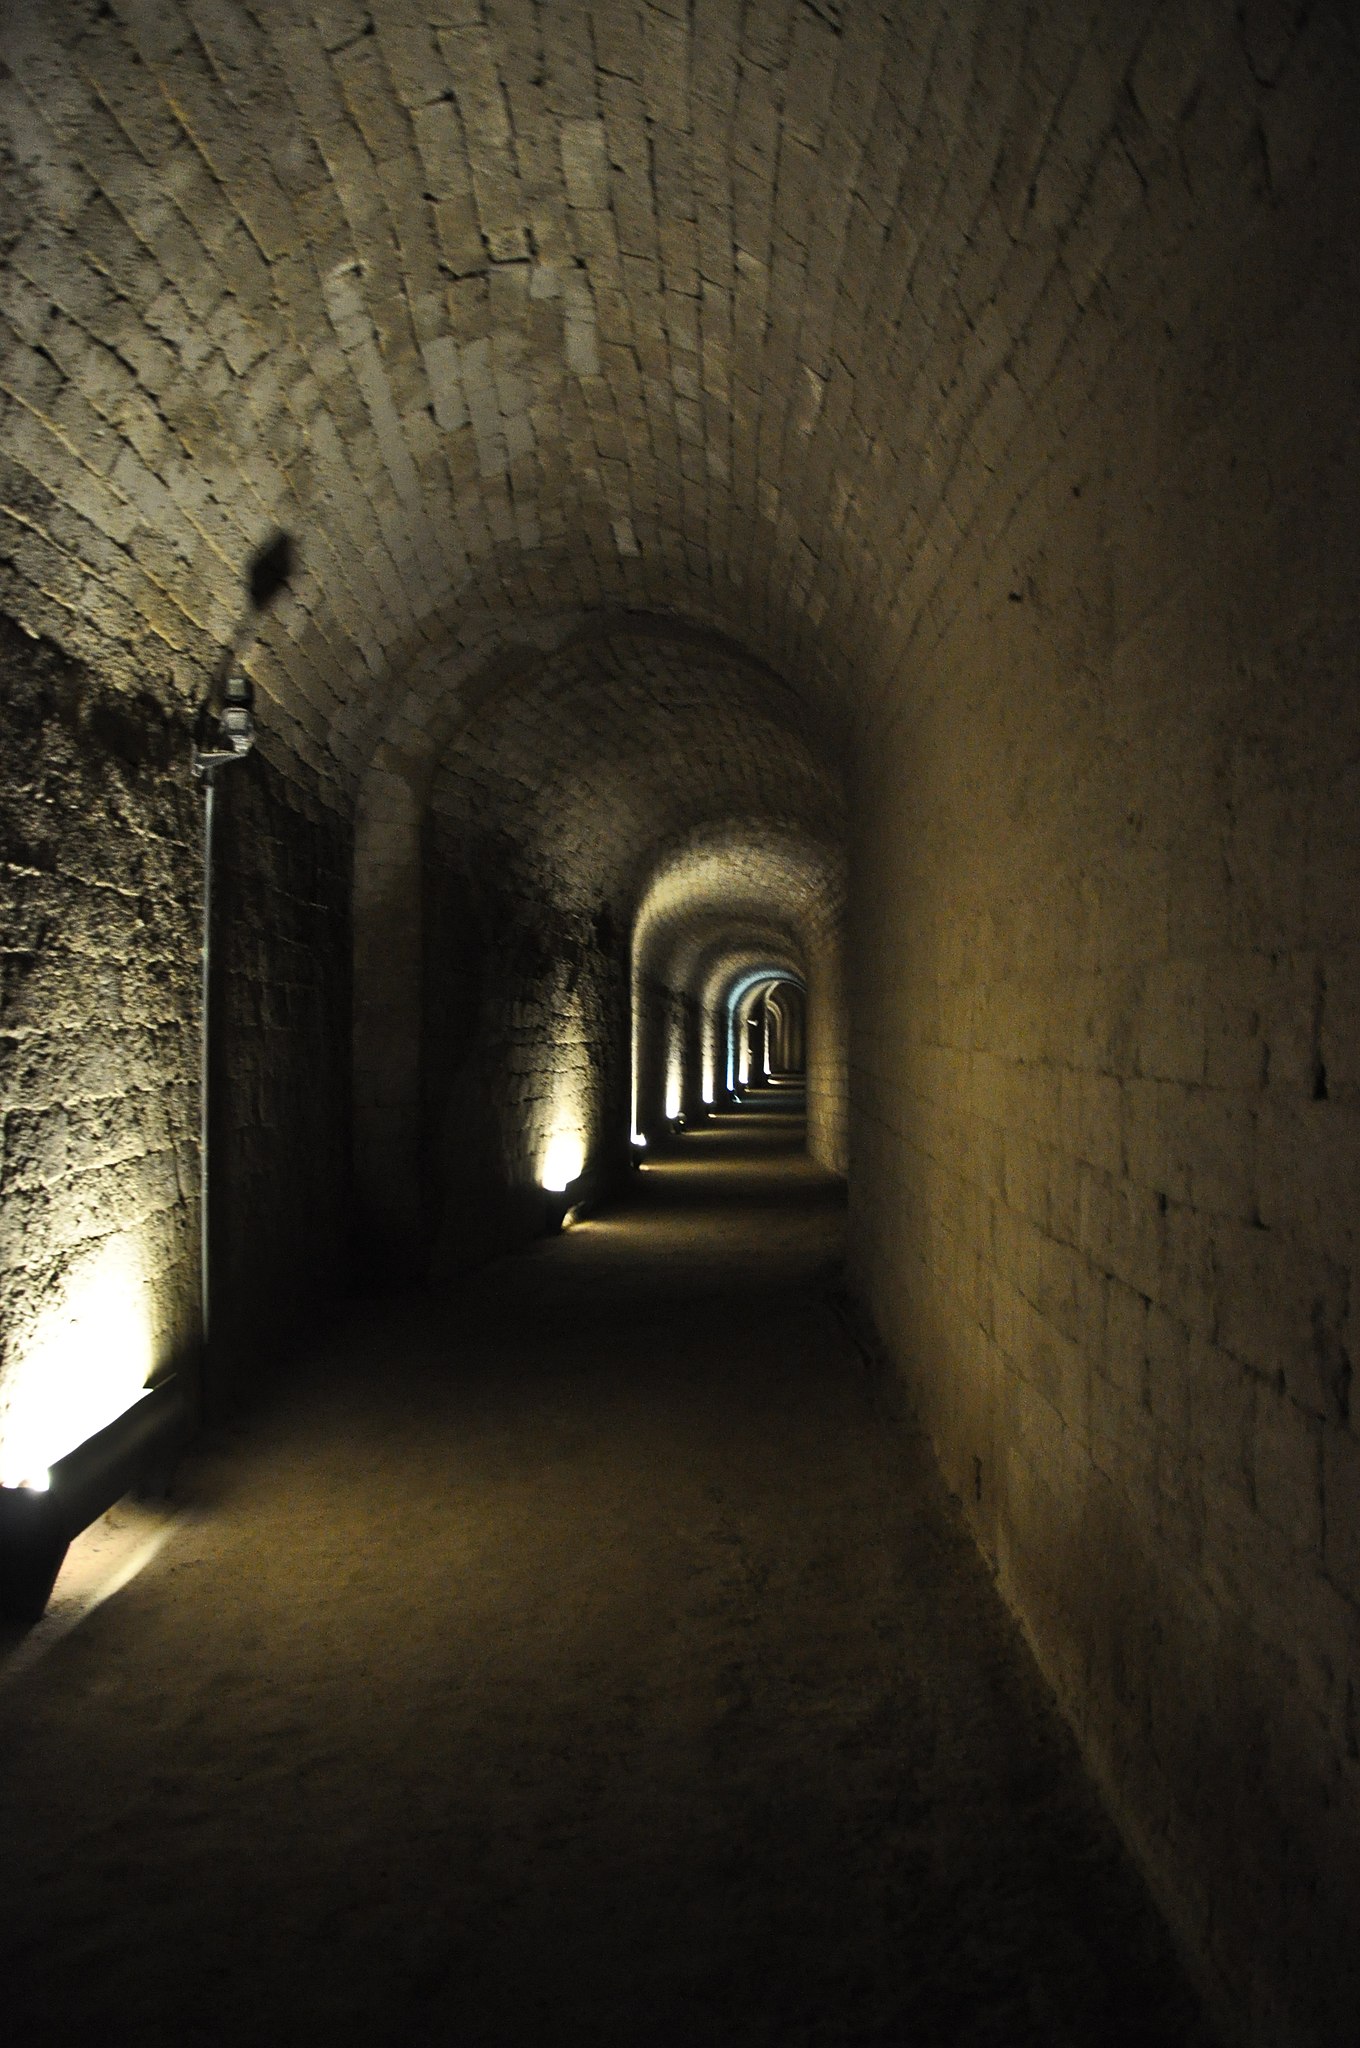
<point x="985" y="372"/>
<point x="747" y="893"/>
<point x="532" y="801"/>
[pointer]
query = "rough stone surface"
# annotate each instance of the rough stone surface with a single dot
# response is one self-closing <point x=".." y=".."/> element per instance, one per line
<point x="585" y="1663"/>
<point x="567" y="797"/>
<point x="1098" y="1123"/>
<point x="725" y="903"/>
<point x="982" y="378"/>
<point x="98" y="1032"/>
<point x="281" y="1194"/>
<point x="102" y="835"/>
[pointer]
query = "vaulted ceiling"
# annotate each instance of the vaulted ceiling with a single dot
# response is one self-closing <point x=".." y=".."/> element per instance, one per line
<point x="515" y="312"/>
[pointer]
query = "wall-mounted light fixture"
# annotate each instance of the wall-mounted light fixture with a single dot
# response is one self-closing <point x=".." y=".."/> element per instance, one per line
<point x="227" y="730"/>
<point x="226" y="736"/>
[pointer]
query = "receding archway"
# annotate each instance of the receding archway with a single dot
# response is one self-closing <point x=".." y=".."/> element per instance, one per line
<point x="749" y="898"/>
<point x="593" y="822"/>
<point x="985" y="374"/>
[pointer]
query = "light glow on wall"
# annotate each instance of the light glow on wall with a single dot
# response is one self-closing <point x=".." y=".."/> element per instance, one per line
<point x="86" y="1362"/>
<point x="673" y="1096"/>
<point x="562" y="1162"/>
<point x="736" y="1008"/>
<point x="569" y="1114"/>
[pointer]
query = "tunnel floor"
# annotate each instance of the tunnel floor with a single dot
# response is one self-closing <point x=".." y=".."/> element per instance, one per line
<point x="582" y="1655"/>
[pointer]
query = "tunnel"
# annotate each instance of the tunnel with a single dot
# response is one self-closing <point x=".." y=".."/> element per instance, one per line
<point x="680" y="1020"/>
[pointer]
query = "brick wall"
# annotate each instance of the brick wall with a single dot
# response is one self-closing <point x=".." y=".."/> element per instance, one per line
<point x="981" y="381"/>
<point x="1105" y="1131"/>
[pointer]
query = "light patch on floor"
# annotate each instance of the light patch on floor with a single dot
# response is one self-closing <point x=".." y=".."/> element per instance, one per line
<point x="100" y="1562"/>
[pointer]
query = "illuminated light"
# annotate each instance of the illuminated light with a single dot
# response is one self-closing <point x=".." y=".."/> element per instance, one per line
<point x="86" y="1362"/>
<point x="562" y="1163"/>
<point x="672" y="1097"/>
<point x="640" y="1140"/>
<point x="31" y="1482"/>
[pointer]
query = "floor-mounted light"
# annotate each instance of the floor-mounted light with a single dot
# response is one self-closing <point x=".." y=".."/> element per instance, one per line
<point x="562" y="1163"/>
<point x="42" y="1513"/>
<point x="558" y="1177"/>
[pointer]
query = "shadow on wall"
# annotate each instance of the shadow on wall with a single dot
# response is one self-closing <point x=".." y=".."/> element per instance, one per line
<point x="98" y="1047"/>
<point x="281" y="1215"/>
<point x="466" y="1214"/>
<point x="101" y="830"/>
<point x="521" y="1029"/>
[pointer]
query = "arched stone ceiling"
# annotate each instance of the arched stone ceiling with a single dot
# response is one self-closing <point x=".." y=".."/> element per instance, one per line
<point x="716" y="963"/>
<point x="750" y="889"/>
<point x="630" y="750"/>
<point x="496" y="662"/>
<point x="715" y="978"/>
<point x="513" y="310"/>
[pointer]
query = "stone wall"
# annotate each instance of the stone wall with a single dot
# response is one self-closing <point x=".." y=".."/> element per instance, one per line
<point x="666" y="1030"/>
<point x="1106" y="1099"/>
<point x="828" y="1039"/>
<point x="99" y="916"/>
<point x="101" y="857"/>
<point x="280" y="1134"/>
<point x="964" y="389"/>
<point x="524" y="1043"/>
<point x="387" y="995"/>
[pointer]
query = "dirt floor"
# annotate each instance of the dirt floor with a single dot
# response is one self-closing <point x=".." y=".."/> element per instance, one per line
<point x="581" y="1656"/>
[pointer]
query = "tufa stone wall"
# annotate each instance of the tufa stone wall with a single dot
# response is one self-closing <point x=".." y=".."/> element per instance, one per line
<point x="987" y="371"/>
<point x="1106" y="1102"/>
<point x="280" y="1132"/>
<point x="101" y="853"/>
<point x="828" y="1066"/>
<point x="388" y="981"/>
<point x="524" y="1040"/>
<point x="666" y="1037"/>
<point x="99" y="930"/>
